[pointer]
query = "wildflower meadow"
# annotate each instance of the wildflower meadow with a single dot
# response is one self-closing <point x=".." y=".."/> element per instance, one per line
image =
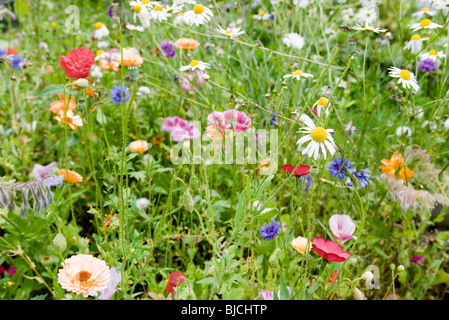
<point x="224" y="150"/>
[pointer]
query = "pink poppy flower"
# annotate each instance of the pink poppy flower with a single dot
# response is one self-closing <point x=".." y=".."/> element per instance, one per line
<point x="230" y="119"/>
<point x="174" y="279"/>
<point x="329" y="250"/>
<point x="180" y="129"/>
<point x="342" y="227"/>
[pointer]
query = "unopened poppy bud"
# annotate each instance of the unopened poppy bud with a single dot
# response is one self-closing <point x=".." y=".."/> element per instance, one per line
<point x="358" y="295"/>
<point x="187" y="201"/>
<point x="82" y="83"/>
<point x="368" y="276"/>
<point x="314" y="169"/>
<point x="401" y="268"/>
<point x="59" y="242"/>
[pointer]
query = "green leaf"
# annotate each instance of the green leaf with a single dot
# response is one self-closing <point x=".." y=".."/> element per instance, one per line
<point x="263" y="186"/>
<point x="240" y="209"/>
<point x="267" y="214"/>
<point x="284" y="291"/>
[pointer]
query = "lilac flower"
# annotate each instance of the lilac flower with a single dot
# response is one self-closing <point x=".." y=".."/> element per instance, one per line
<point x="362" y="178"/>
<point x="428" y="65"/>
<point x="107" y="293"/>
<point x="167" y="47"/>
<point x="270" y="230"/>
<point x="337" y="167"/>
<point x="16" y="62"/>
<point x="40" y="171"/>
<point x="116" y="94"/>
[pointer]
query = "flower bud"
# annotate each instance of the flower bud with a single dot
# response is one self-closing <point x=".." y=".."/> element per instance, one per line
<point x="194" y="182"/>
<point x="82" y="83"/>
<point x="59" y="242"/>
<point x="187" y="201"/>
<point x="401" y="268"/>
<point x="358" y="295"/>
<point x="368" y="276"/>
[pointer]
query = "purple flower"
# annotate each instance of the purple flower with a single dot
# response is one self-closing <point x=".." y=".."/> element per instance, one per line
<point x="110" y="11"/>
<point x="270" y="231"/>
<point x="417" y="259"/>
<point x="180" y="129"/>
<point x="169" y="51"/>
<point x="428" y="65"/>
<point x="308" y="181"/>
<point x="2" y="52"/>
<point x="362" y="178"/>
<point x="107" y="293"/>
<point x="116" y="94"/>
<point x="337" y="167"/>
<point x="41" y="171"/>
<point x="16" y="62"/>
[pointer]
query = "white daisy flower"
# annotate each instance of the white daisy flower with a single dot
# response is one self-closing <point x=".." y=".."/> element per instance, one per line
<point x="407" y="78"/>
<point x="261" y="15"/>
<point x="142" y="12"/>
<point x="130" y="26"/>
<point x="100" y="31"/>
<point x="415" y="43"/>
<point x="195" y="64"/>
<point x="293" y="40"/>
<point x="182" y="2"/>
<point x="230" y="32"/>
<point x="368" y="28"/>
<point x="320" y="105"/>
<point x="446" y="123"/>
<point x="432" y="124"/>
<point x="95" y="72"/>
<point x="143" y="90"/>
<point x="179" y="19"/>
<point x="425" y="24"/>
<point x="159" y="13"/>
<point x="320" y="140"/>
<point x="366" y="15"/>
<point x="199" y="15"/>
<point x="298" y="74"/>
<point x="419" y="112"/>
<point x="100" y="54"/>
<point x="423" y="12"/>
<point x="348" y="14"/>
<point x="442" y="5"/>
<point x="102" y="45"/>
<point x="403" y="131"/>
<point x="433" y="55"/>
<point x="301" y="3"/>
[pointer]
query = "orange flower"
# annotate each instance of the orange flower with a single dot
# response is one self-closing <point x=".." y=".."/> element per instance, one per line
<point x="139" y="146"/>
<point x="187" y="43"/>
<point x="395" y="167"/>
<point x="58" y="105"/>
<point x="132" y="60"/>
<point x="74" y="177"/>
<point x="90" y="92"/>
<point x="105" y="65"/>
<point x="73" y="121"/>
<point x="157" y="140"/>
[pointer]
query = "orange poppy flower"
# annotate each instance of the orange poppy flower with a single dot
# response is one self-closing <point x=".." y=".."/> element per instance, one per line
<point x="139" y="146"/>
<point x="73" y="177"/>
<point x="157" y="140"/>
<point x="187" y="43"/>
<point x="72" y="121"/>
<point x="58" y="105"/>
<point x="396" y="167"/>
<point x="105" y="65"/>
<point x="90" y="92"/>
<point x="132" y="60"/>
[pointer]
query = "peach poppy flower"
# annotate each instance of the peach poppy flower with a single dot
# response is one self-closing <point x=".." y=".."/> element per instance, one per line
<point x="73" y="121"/>
<point x="58" y="105"/>
<point x="74" y="177"/>
<point x="132" y="60"/>
<point x="84" y="274"/>
<point x="105" y="65"/>
<point x="139" y="146"/>
<point x="300" y="244"/>
<point x="187" y="43"/>
<point x="396" y="167"/>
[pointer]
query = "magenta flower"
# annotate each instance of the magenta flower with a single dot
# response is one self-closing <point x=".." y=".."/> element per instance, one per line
<point x="40" y="171"/>
<point x="10" y="271"/>
<point x="230" y="119"/>
<point x="417" y="259"/>
<point x="342" y="227"/>
<point x="180" y="129"/>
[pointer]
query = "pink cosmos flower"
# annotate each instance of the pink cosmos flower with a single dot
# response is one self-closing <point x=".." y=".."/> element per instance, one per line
<point x="342" y="227"/>
<point x="180" y="129"/>
<point x="230" y="119"/>
<point x="329" y="250"/>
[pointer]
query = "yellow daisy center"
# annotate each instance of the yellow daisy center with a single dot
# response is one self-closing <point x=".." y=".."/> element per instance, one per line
<point x="198" y="9"/>
<point x="145" y="1"/>
<point x="180" y="14"/>
<point x="99" y="52"/>
<point x="318" y="134"/>
<point x="322" y="101"/>
<point x="261" y="13"/>
<point x="228" y="31"/>
<point x="425" y="22"/>
<point x="99" y="25"/>
<point x="194" y="63"/>
<point x="405" y="74"/>
<point x="157" y="7"/>
<point x="369" y="28"/>
<point x="425" y="9"/>
<point x="415" y="37"/>
<point x="432" y="53"/>
<point x="298" y="72"/>
<point x="137" y="9"/>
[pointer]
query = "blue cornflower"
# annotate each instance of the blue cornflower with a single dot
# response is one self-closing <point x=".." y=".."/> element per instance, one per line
<point x="2" y="52"/>
<point x="116" y="94"/>
<point x="170" y="52"/>
<point x="274" y="119"/>
<point x="270" y="230"/>
<point x="336" y="168"/>
<point x="16" y="62"/>
<point x="362" y="178"/>
<point x="308" y="179"/>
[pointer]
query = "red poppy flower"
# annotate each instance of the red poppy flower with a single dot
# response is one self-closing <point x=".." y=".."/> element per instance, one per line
<point x="301" y="170"/>
<point x="329" y="250"/>
<point x="175" y="279"/>
<point x="333" y="276"/>
<point x="314" y="110"/>
<point x="77" y="63"/>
